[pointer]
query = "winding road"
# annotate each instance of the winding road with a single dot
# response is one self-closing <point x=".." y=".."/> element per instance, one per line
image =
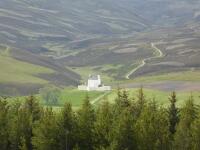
<point x="144" y="61"/>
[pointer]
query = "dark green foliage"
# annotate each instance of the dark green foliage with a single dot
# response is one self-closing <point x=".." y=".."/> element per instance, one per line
<point x="23" y="145"/>
<point x="196" y="134"/>
<point x="173" y="113"/>
<point x="16" y="123"/>
<point x="152" y="128"/>
<point x="15" y="127"/>
<point x="30" y="112"/>
<point x="67" y="128"/>
<point x="4" y="123"/>
<point x="183" y="137"/>
<point x="122" y="102"/>
<point x="50" y="95"/>
<point x="126" y="125"/>
<point x="103" y="126"/>
<point x="140" y="102"/>
<point x="85" y="120"/>
<point x="45" y="132"/>
<point x="123" y="133"/>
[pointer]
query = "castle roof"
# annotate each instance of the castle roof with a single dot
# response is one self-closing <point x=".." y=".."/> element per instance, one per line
<point x="93" y="77"/>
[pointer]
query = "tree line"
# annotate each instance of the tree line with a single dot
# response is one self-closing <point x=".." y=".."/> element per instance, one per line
<point x="127" y="124"/>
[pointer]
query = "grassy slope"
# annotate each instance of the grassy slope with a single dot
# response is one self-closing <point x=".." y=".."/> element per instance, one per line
<point x="160" y="96"/>
<point x="178" y="76"/>
<point x="15" y="71"/>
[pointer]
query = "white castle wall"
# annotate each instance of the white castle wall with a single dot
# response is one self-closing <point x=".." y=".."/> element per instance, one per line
<point x="94" y="85"/>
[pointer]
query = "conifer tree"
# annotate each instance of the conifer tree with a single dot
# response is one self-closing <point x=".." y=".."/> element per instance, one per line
<point x="152" y="128"/>
<point x="32" y="113"/>
<point x="140" y="103"/>
<point x="15" y="131"/>
<point x="103" y="125"/>
<point x="4" y="123"/>
<point x="125" y="99"/>
<point x="45" y="132"/>
<point x="66" y="125"/>
<point x="195" y="129"/>
<point x="19" y="126"/>
<point x="85" y="120"/>
<point x="119" y="97"/>
<point x="123" y="134"/>
<point x="121" y="102"/>
<point x="32" y="107"/>
<point x="183" y="136"/>
<point x="173" y="113"/>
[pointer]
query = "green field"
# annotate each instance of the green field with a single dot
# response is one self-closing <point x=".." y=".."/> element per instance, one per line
<point x="160" y="97"/>
<point x="76" y="97"/>
<point x="73" y="96"/>
<point x="15" y="71"/>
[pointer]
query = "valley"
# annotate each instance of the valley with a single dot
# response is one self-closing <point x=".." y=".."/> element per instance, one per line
<point x="99" y="74"/>
<point x="62" y="42"/>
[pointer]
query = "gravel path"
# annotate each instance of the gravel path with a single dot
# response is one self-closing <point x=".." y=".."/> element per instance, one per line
<point x="144" y="61"/>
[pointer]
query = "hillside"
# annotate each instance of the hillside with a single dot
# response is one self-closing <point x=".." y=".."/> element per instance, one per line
<point x="19" y="77"/>
<point x="112" y="38"/>
<point x="47" y="25"/>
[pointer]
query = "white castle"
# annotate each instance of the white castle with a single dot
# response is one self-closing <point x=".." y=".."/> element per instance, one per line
<point x="94" y="84"/>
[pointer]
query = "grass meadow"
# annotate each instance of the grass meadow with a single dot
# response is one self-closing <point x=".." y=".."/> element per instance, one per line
<point x="68" y="95"/>
<point x="76" y="97"/>
<point x="161" y="97"/>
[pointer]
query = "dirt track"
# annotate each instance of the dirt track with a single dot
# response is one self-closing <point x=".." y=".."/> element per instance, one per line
<point x="143" y="62"/>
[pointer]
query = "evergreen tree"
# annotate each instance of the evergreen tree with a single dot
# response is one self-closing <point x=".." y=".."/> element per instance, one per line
<point x="46" y="132"/>
<point x="125" y="125"/>
<point x="103" y="125"/>
<point x="152" y="128"/>
<point x="123" y="134"/>
<point x="19" y="124"/>
<point x="183" y="136"/>
<point x="173" y="113"/>
<point x="86" y="119"/>
<point x="32" y="113"/>
<point x="125" y="99"/>
<point x="119" y="97"/>
<point x="195" y="129"/>
<point x="121" y="102"/>
<point x="140" y="103"/>
<point x="67" y="128"/>
<point x="4" y="122"/>
<point x="33" y="108"/>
